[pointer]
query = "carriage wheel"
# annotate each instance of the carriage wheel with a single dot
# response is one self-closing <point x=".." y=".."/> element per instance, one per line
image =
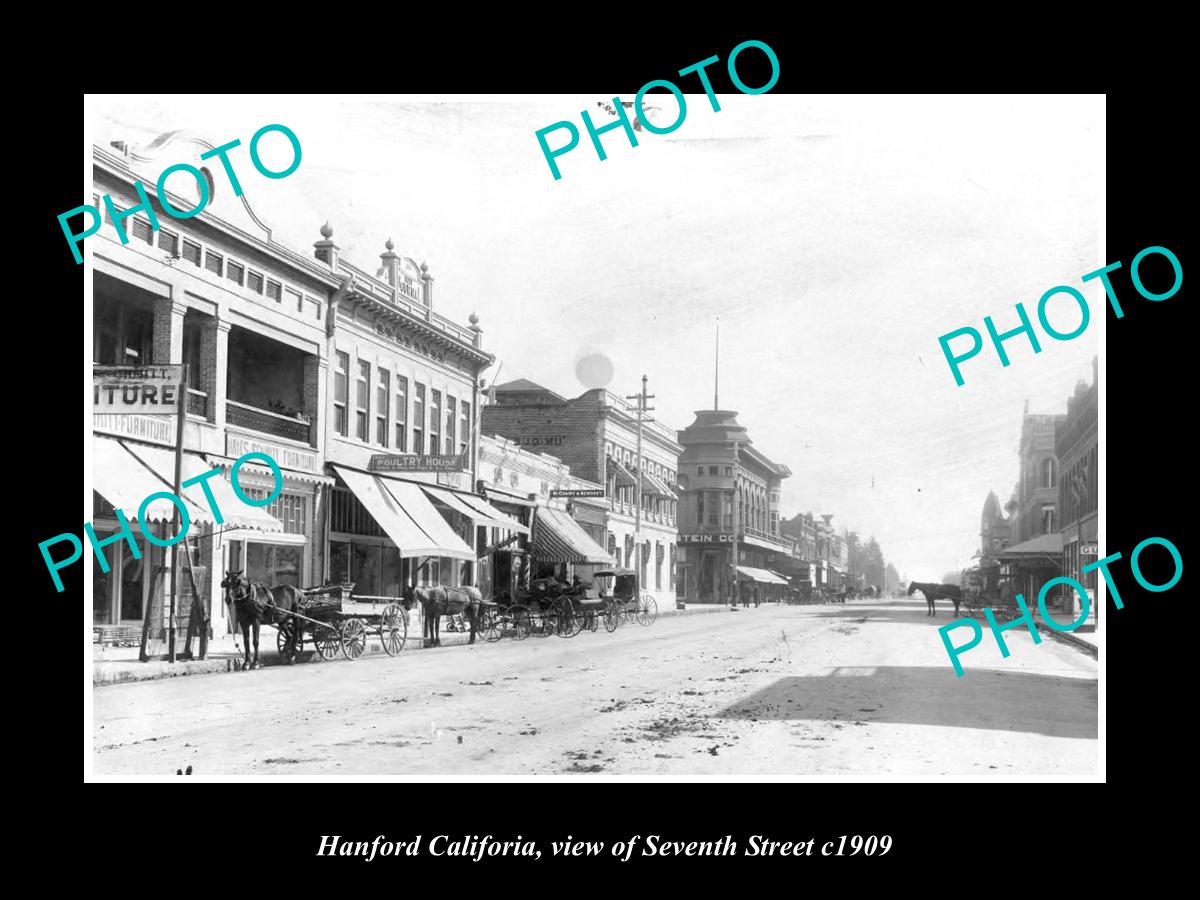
<point x="647" y="610"/>
<point x="393" y="629"/>
<point x="354" y="638"/>
<point x="564" y="618"/>
<point x="285" y="641"/>
<point x="489" y="625"/>
<point x="521" y="622"/>
<point x="612" y="617"/>
<point x="328" y="641"/>
<point x="593" y="620"/>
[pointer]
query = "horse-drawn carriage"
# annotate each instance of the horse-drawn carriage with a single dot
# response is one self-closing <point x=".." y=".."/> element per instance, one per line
<point x="331" y="618"/>
<point x="626" y="601"/>
<point x="547" y="607"/>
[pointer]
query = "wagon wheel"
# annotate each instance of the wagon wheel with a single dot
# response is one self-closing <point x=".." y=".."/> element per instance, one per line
<point x="647" y="610"/>
<point x="328" y="641"/>
<point x="490" y="625"/>
<point x="564" y="618"/>
<point x="593" y="620"/>
<point x="285" y="640"/>
<point x="354" y="638"/>
<point x="612" y="616"/>
<point x="393" y="629"/>
<point x="521" y="622"/>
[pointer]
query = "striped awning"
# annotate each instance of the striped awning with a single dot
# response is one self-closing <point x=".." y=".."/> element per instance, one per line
<point x="558" y="538"/>
<point x="624" y="476"/>
<point x="652" y="484"/>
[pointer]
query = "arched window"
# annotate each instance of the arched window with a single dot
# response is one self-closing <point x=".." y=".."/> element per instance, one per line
<point x="1049" y="475"/>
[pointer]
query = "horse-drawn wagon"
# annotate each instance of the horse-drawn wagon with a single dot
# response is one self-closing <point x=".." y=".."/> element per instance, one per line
<point x="626" y="601"/>
<point x="332" y="618"/>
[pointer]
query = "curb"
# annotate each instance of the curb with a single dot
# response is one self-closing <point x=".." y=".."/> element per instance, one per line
<point x="158" y="669"/>
<point x="1067" y="638"/>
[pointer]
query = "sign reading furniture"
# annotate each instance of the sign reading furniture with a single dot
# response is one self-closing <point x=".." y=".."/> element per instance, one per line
<point x="136" y="389"/>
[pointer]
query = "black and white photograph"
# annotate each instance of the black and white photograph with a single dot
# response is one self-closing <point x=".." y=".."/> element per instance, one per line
<point x="709" y="434"/>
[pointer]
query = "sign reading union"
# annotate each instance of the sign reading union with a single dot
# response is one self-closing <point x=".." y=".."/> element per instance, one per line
<point x="386" y="462"/>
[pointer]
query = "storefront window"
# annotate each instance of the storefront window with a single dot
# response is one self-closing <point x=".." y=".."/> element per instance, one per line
<point x="274" y="564"/>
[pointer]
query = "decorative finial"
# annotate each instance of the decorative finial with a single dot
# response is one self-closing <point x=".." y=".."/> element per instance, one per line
<point x="424" y="267"/>
<point x="390" y="245"/>
<point x="473" y="319"/>
<point x="326" y="231"/>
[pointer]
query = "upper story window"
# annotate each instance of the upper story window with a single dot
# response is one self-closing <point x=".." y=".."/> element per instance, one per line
<point x="466" y="426"/>
<point x="699" y="470"/>
<point x="714" y="470"/>
<point x="191" y="252"/>
<point x="1047" y="520"/>
<point x="234" y="272"/>
<point x="363" y="399"/>
<point x="254" y="281"/>
<point x="435" y="420"/>
<point x="1048" y="472"/>
<point x="401" y="414"/>
<point x="451" y="420"/>
<point x="418" y="445"/>
<point x="341" y="393"/>
<point x="383" y="394"/>
<point x="274" y="290"/>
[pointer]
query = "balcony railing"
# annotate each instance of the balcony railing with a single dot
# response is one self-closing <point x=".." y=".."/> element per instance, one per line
<point x="263" y="420"/>
<point x="197" y="403"/>
<point x="766" y="536"/>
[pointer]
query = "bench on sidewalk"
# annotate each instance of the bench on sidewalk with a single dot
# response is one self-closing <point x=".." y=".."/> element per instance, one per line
<point x="117" y="635"/>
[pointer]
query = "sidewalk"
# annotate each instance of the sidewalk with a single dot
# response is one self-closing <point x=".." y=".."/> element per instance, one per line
<point x="1083" y="638"/>
<point x="117" y="665"/>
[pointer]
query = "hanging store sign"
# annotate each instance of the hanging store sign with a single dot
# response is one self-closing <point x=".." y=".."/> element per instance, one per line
<point x="545" y="440"/>
<point x="1089" y="549"/>
<point x="151" y="429"/>
<point x="705" y="538"/>
<point x="578" y="493"/>
<point x="136" y="389"/>
<point x="386" y="462"/>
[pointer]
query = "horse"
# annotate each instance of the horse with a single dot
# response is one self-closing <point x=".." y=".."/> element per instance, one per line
<point x="932" y="592"/>
<point x="254" y="602"/>
<point x="437" y="601"/>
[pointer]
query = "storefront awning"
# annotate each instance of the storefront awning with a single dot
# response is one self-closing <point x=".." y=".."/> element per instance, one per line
<point x="259" y="468"/>
<point x="475" y="508"/>
<point x="624" y="476"/>
<point x="654" y="485"/>
<point x="558" y="538"/>
<point x="761" y="575"/>
<point x="235" y="512"/>
<point x="1042" y="545"/>
<point x="406" y="515"/>
<point x="125" y="481"/>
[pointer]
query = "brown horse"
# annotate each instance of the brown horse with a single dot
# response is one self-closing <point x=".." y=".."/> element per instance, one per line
<point x="437" y="601"/>
<point x="255" y="603"/>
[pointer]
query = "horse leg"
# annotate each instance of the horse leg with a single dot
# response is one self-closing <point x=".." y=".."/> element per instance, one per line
<point x="246" y="644"/>
<point x="473" y="612"/>
<point x="257" y="625"/>
<point x="437" y="630"/>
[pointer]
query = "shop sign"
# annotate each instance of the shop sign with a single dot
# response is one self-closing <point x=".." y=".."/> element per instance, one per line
<point x="237" y="445"/>
<point x="547" y="440"/>
<point x="578" y="493"/>
<point x="151" y="429"/>
<point x="136" y="389"/>
<point x="705" y="538"/>
<point x="1089" y="549"/>
<point x="387" y="462"/>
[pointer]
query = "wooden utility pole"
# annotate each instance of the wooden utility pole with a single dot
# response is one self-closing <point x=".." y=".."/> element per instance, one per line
<point x="182" y="418"/>
<point x="642" y="409"/>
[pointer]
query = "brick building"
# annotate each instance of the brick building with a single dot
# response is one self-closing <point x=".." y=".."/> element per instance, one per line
<point x="1077" y="448"/>
<point x="595" y="434"/>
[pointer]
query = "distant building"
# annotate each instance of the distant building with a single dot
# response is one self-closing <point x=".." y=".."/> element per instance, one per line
<point x="726" y="482"/>
<point x="1037" y="488"/>
<point x="1076" y="445"/>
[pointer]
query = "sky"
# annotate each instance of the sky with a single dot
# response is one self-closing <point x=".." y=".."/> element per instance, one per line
<point x="834" y="237"/>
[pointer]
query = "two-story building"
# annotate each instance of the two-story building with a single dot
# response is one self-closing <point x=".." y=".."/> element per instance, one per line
<point x="596" y="434"/>
<point x="729" y="497"/>
<point x="246" y="315"/>
<point x="1077" y="447"/>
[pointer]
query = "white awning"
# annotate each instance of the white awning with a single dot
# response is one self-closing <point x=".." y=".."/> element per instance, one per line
<point x="406" y="515"/>
<point x="125" y="481"/>
<point x="235" y="512"/>
<point x="259" y="469"/>
<point x="475" y="508"/>
<point x="761" y="575"/>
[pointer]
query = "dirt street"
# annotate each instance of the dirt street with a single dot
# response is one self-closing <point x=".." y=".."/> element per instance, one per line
<point x="864" y="689"/>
